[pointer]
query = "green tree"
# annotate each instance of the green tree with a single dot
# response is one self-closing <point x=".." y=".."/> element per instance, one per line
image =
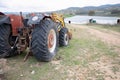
<point x="115" y="11"/>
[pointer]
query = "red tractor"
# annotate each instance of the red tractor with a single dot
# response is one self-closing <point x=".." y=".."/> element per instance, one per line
<point x="39" y="33"/>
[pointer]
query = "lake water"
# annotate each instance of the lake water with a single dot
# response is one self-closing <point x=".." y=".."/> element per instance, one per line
<point x="99" y="19"/>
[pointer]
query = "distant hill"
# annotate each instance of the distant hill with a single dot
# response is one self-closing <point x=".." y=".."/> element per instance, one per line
<point x="103" y="10"/>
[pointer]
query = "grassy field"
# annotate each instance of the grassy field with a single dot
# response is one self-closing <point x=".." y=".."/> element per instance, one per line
<point x="67" y="15"/>
<point x="86" y="58"/>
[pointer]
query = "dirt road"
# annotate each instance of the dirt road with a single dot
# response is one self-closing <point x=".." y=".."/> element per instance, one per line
<point x="107" y="36"/>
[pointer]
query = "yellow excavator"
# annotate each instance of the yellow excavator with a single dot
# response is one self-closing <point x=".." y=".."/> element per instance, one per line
<point x="59" y="18"/>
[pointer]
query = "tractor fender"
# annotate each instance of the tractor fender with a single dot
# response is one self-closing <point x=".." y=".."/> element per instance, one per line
<point x="4" y="19"/>
<point x="35" y="19"/>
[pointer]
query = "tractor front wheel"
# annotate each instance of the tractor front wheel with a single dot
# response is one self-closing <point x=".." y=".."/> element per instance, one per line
<point x="63" y="37"/>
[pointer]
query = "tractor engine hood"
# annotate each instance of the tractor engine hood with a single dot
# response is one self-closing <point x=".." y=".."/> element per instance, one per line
<point x="35" y="19"/>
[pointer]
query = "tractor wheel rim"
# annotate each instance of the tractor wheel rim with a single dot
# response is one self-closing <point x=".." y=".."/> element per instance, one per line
<point x="52" y="40"/>
<point x="66" y="39"/>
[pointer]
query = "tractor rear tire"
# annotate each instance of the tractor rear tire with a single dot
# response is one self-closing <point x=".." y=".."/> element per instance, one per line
<point x="44" y="42"/>
<point x="5" y="47"/>
<point x="63" y="37"/>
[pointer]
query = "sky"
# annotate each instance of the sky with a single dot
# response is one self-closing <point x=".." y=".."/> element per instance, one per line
<point x="48" y="5"/>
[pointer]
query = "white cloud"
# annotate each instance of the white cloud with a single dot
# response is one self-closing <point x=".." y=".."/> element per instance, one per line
<point x="49" y="5"/>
